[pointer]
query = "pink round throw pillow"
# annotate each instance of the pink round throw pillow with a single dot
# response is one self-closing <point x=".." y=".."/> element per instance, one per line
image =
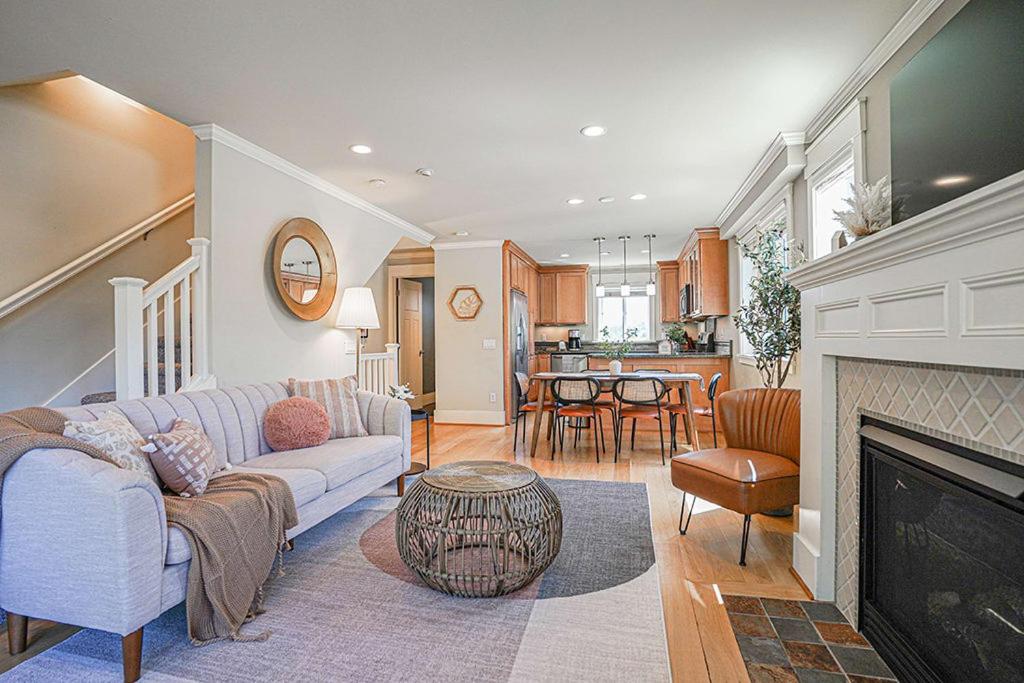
<point x="296" y="422"/>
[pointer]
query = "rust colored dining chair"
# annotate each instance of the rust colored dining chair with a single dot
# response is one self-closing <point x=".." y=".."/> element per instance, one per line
<point x="526" y="404"/>
<point x="639" y="398"/>
<point x="576" y="397"/>
<point x="759" y="470"/>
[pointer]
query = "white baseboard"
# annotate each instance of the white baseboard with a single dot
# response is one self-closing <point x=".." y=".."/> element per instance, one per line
<point x="470" y="417"/>
<point x="805" y="563"/>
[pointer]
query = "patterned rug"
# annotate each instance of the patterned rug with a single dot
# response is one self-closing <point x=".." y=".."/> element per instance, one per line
<point x="348" y="609"/>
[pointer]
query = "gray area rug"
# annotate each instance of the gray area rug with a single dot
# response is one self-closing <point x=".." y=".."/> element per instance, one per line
<point x="348" y="609"/>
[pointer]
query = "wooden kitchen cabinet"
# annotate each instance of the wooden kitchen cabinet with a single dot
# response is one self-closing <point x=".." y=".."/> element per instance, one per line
<point x="704" y="265"/>
<point x="668" y="291"/>
<point x="563" y="295"/>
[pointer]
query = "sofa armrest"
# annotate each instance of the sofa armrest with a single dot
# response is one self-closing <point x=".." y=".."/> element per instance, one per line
<point x="81" y="542"/>
<point x="385" y="415"/>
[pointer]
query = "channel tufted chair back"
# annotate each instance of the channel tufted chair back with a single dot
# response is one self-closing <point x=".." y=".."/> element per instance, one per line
<point x="765" y="420"/>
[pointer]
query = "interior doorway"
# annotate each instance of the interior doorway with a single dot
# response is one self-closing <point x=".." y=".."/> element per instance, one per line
<point x="414" y="328"/>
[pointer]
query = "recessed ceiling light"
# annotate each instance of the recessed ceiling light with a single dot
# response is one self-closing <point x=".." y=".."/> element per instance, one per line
<point x="638" y="196"/>
<point x="575" y="201"/>
<point x="949" y="180"/>
<point x="461" y="233"/>
<point x="645" y="251"/>
<point x="563" y="256"/>
<point x="593" y="131"/>
<point x="606" y="253"/>
<point x="425" y="172"/>
<point x="360" y="149"/>
<point x="606" y="200"/>
<point x="378" y="182"/>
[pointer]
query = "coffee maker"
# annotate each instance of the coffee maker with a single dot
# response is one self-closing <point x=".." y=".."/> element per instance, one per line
<point x="706" y="337"/>
<point x="575" y="341"/>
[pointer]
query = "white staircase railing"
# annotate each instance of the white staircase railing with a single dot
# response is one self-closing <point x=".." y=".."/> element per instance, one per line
<point x="175" y="308"/>
<point x="378" y="371"/>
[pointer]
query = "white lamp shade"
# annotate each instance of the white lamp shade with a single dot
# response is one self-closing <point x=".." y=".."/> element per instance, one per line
<point x="651" y="289"/>
<point x="357" y="310"/>
<point x="624" y="290"/>
<point x="599" y="291"/>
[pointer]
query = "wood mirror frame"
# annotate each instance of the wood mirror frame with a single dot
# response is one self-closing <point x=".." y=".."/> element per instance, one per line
<point x="306" y="229"/>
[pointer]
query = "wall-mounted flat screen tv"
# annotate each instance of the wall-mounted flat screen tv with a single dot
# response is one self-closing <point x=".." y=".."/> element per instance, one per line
<point x="957" y="108"/>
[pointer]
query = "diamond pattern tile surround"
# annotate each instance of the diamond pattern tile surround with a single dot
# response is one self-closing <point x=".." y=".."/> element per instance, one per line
<point x="978" y="408"/>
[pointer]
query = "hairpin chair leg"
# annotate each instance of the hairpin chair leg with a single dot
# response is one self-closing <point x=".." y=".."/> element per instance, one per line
<point x="746" y="538"/>
<point x="600" y="428"/>
<point x="672" y="431"/>
<point x="682" y="527"/>
<point x="554" y="426"/>
<point x="593" y="423"/>
<point x="515" y="431"/>
<point x="632" y="435"/>
<point x="714" y="427"/>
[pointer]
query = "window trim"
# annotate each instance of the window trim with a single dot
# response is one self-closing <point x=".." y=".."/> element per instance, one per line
<point x="843" y="159"/>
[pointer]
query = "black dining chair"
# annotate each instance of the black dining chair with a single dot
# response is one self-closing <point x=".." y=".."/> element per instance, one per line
<point x="576" y="397"/>
<point x="639" y="398"/>
<point x="526" y="405"/>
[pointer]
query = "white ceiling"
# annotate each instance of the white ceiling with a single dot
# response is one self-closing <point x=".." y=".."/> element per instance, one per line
<point x="490" y="95"/>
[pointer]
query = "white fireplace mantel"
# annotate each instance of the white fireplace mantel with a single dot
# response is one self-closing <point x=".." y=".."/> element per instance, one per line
<point x="944" y="287"/>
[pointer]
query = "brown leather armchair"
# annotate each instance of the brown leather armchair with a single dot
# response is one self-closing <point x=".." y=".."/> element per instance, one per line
<point x="759" y="470"/>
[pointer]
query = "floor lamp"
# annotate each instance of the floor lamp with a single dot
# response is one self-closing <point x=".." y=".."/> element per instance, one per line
<point x="358" y="312"/>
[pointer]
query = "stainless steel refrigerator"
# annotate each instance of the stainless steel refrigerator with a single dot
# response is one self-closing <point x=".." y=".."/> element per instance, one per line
<point x="519" y="342"/>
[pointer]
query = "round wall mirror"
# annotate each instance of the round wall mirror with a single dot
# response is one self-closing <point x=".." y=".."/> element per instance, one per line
<point x="305" y="270"/>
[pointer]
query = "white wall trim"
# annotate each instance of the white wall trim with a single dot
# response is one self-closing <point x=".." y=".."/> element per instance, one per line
<point x="69" y="270"/>
<point x="911" y="20"/>
<point x="987" y="212"/>
<point x="81" y="376"/>
<point x="476" y="244"/>
<point x="211" y="131"/>
<point x="781" y="142"/>
<point x="470" y="417"/>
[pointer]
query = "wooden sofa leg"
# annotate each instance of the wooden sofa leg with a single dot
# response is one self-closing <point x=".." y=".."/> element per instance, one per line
<point x="400" y="483"/>
<point x="17" y="633"/>
<point x="131" y="654"/>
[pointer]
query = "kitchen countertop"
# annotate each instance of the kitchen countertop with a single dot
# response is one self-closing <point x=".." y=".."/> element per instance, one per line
<point x="598" y="354"/>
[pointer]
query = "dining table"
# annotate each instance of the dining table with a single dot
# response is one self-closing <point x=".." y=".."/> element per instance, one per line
<point x="679" y="381"/>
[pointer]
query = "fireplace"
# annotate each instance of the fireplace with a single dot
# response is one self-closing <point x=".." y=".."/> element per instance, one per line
<point x="941" y="593"/>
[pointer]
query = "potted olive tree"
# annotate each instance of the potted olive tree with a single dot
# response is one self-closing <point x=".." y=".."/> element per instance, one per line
<point x="770" y="320"/>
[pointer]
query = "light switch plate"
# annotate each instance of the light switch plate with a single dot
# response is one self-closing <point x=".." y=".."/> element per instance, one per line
<point x="490" y="344"/>
<point x="350" y="347"/>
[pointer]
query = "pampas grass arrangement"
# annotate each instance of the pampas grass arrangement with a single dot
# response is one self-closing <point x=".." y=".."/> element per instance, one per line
<point x="870" y="209"/>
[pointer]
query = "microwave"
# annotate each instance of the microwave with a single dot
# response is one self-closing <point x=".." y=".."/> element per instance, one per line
<point x="685" y="301"/>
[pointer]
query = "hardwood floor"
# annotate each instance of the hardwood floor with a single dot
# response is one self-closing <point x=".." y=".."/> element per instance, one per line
<point x="694" y="568"/>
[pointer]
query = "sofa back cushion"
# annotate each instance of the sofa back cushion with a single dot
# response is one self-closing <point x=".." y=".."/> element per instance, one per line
<point x="231" y="417"/>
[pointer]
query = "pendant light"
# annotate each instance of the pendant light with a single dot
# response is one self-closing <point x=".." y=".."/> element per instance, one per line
<point x="624" y="289"/>
<point x="652" y="289"/>
<point x="599" y="289"/>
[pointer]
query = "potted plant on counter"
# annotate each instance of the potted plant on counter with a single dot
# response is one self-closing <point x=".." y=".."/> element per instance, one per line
<point x="614" y="350"/>
<point x="680" y="338"/>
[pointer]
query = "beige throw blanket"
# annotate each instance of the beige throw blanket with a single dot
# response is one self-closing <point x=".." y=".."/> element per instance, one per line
<point x="236" y="529"/>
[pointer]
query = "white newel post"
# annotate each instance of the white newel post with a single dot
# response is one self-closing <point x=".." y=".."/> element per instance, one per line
<point x="201" y="293"/>
<point x="392" y="351"/>
<point x="128" y="337"/>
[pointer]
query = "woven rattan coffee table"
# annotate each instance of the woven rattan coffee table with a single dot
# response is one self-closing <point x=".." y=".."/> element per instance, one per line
<point x="479" y="528"/>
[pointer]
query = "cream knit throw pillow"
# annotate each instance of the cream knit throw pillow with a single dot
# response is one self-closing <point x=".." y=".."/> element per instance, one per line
<point x="338" y="397"/>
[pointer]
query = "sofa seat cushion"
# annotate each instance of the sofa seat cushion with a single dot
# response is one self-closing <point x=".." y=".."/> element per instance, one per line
<point x="306" y="485"/>
<point x="339" y="460"/>
<point x="742" y="480"/>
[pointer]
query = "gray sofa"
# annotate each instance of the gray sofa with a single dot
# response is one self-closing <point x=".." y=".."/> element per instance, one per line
<point x="86" y="543"/>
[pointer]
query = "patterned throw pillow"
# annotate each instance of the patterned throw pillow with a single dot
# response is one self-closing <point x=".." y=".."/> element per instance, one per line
<point x="113" y="434"/>
<point x="338" y="397"/>
<point x="184" y="458"/>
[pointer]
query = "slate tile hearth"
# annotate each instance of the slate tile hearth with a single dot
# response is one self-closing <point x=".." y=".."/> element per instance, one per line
<point x="801" y="641"/>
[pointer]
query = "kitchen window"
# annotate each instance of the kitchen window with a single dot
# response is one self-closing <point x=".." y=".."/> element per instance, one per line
<point x="619" y="313"/>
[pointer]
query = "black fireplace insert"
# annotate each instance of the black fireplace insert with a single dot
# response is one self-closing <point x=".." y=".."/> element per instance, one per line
<point x="941" y="557"/>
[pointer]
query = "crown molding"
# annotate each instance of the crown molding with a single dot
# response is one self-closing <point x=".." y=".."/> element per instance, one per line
<point x="211" y="131"/>
<point x="988" y="212"/>
<point x="911" y="20"/>
<point x="790" y="143"/>
<point x="476" y="244"/>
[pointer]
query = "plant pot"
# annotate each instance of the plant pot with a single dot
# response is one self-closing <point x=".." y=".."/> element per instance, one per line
<point x="615" y="367"/>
